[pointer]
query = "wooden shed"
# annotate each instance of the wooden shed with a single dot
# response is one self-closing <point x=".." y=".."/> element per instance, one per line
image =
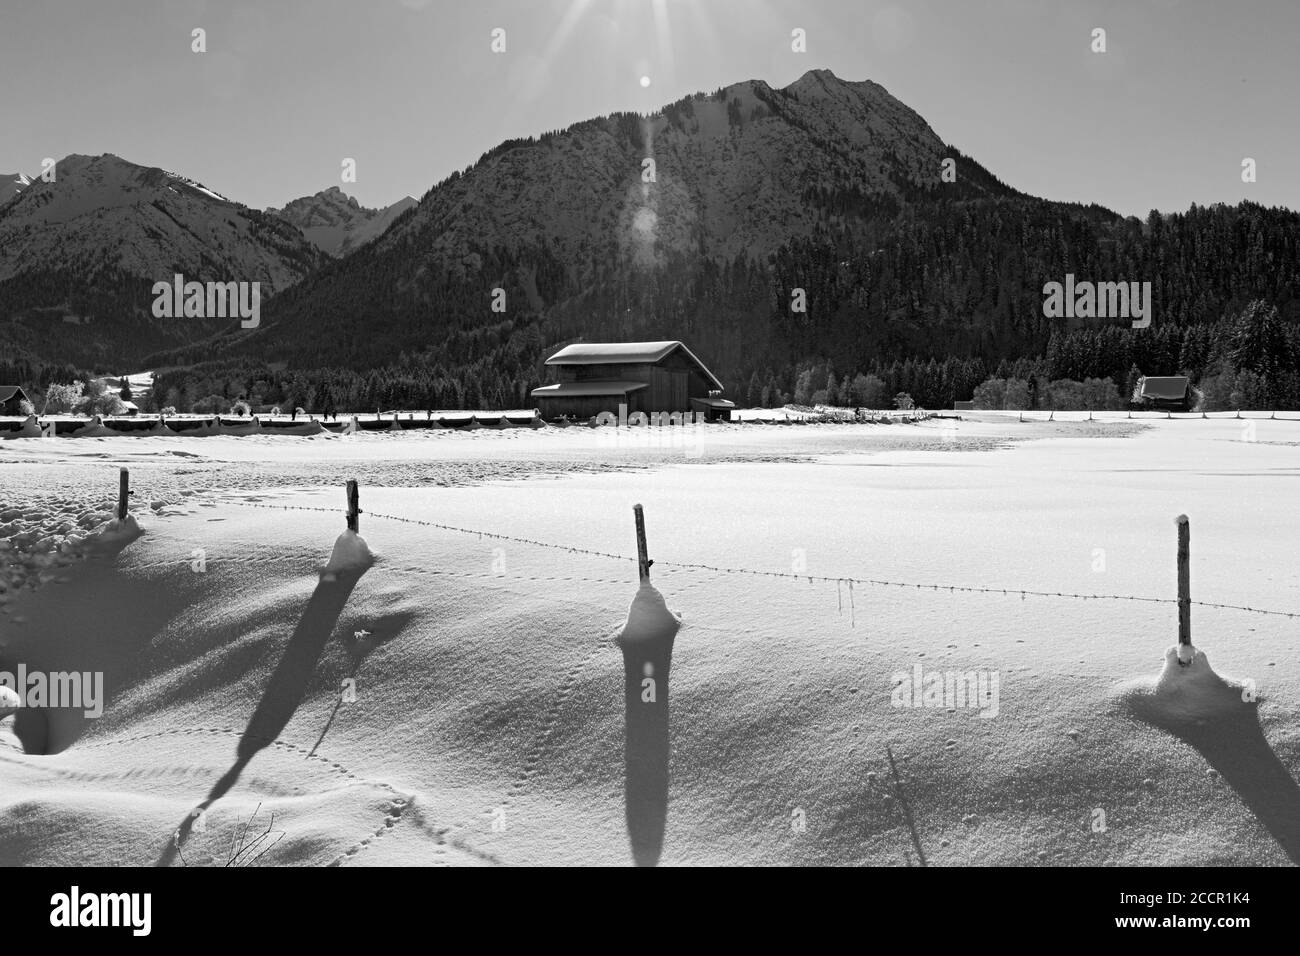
<point x="650" y="377"/>
<point x="1165" y="392"/>
<point x="10" y="398"/>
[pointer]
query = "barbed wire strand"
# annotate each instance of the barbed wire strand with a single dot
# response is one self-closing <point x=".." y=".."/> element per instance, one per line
<point x="678" y="566"/>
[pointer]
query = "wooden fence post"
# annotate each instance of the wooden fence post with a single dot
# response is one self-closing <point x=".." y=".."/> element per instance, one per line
<point x="123" y="493"/>
<point x="354" y="506"/>
<point x="643" y="561"/>
<point x="1184" y="582"/>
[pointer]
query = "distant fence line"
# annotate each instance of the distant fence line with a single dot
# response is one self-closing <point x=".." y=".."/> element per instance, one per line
<point x="137" y="426"/>
<point x="215" y="425"/>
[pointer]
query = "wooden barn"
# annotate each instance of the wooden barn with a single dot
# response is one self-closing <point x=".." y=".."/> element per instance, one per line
<point x="1165" y="392"/>
<point x="650" y="377"/>
<point x="10" y="397"/>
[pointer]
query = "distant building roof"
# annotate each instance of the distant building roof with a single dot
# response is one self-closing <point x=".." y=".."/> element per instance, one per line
<point x="9" y="391"/>
<point x="630" y="353"/>
<point x="586" y="389"/>
<point x="1168" y="386"/>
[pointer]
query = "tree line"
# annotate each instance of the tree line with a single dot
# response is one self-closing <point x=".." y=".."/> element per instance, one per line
<point x="932" y="298"/>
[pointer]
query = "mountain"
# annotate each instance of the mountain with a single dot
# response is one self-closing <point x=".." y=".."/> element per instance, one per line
<point x="735" y="174"/>
<point x="732" y="175"/>
<point x="79" y="256"/>
<point x="568" y="222"/>
<point x="336" y="223"/>
<point x="11" y="184"/>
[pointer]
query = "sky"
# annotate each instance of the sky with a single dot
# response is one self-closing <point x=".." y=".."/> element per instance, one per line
<point x="412" y="90"/>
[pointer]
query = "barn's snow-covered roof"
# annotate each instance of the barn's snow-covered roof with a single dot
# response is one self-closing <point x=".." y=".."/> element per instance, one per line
<point x="9" y="391"/>
<point x="629" y="353"/>
<point x="1167" y="386"/>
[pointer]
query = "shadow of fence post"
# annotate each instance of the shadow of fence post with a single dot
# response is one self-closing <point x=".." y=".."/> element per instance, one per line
<point x="647" y="645"/>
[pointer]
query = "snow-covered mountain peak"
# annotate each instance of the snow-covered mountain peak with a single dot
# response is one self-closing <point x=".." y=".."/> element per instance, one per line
<point x="337" y="223"/>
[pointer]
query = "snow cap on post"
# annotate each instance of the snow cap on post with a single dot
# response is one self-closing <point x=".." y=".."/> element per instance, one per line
<point x="649" y="621"/>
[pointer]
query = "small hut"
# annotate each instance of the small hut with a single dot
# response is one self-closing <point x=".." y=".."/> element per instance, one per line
<point x="1170" y="393"/>
<point x="11" y="399"/>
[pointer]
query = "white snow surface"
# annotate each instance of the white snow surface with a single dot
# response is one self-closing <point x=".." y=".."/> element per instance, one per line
<point x="486" y="724"/>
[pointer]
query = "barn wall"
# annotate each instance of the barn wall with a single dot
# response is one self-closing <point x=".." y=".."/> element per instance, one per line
<point x="698" y="385"/>
<point x="605" y="373"/>
<point x="585" y="406"/>
<point x="669" y="390"/>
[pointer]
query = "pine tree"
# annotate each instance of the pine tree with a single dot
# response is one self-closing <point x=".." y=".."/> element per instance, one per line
<point x="803" y="389"/>
<point x="1259" y="341"/>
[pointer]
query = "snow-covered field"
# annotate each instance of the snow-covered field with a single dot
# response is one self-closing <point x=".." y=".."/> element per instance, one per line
<point x="462" y="699"/>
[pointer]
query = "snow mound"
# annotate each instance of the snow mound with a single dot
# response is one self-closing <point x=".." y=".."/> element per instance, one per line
<point x="114" y="533"/>
<point x="648" y="619"/>
<point x="249" y="428"/>
<point x="1187" y="691"/>
<point x="351" y="555"/>
<point x="30" y="429"/>
<point x="96" y="429"/>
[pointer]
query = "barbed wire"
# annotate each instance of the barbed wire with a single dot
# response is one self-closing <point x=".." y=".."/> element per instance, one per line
<point x="839" y="580"/>
<point x="446" y="527"/>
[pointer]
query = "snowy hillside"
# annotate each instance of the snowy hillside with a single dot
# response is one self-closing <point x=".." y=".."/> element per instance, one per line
<point x="79" y="257"/>
<point x="336" y="223"/>
<point x="105" y="212"/>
